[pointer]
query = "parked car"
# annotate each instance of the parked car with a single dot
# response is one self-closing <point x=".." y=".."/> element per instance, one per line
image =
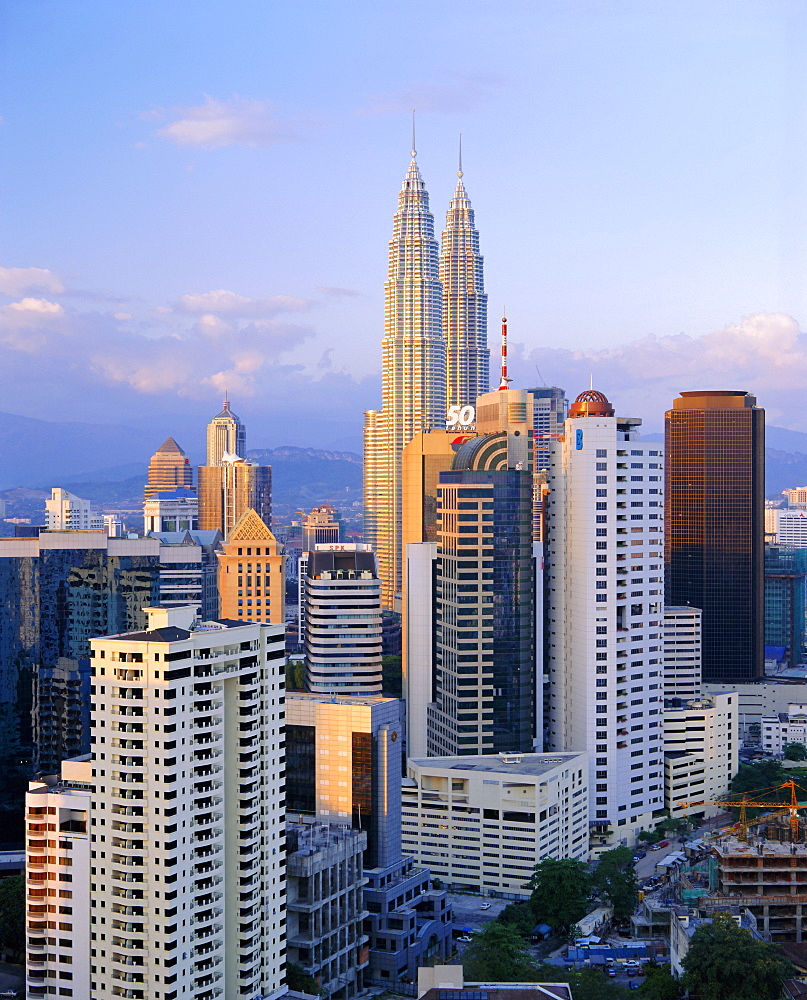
<point x="465" y="939"/>
<point x="633" y="985"/>
<point x="612" y="971"/>
<point x="486" y="906"/>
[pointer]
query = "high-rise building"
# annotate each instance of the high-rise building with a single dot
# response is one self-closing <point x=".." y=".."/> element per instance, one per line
<point x="189" y="570"/>
<point x="66" y="512"/>
<point x="227" y="490"/>
<point x="250" y="573"/>
<point x="169" y="469"/>
<point x="185" y="883"/>
<point x="550" y="408"/>
<point x="434" y="354"/>
<point x="682" y="652"/>
<point x="344" y="766"/>
<point x="413" y="373"/>
<point x="465" y="304"/>
<point x="785" y="595"/>
<point x="715" y="501"/>
<point x="604" y="583"/>
<point x="321" y="525"/>
<point x="786" y="527"/>
<point x="226" y="435"/>
<point x="58" y="591"/>
<point x="342" y="615"/>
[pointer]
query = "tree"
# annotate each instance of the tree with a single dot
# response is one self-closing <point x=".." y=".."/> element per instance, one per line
<point x="561" y="888"/>
<point x="497" y="955"/>
<point x="659" y="984"/>
<point x="520" y="916"/>
<point x="615" y="878"/>
<point x="649" y="836"/>
<point x="725" y="962"/>
<point x="12" y="915"/>
<point x="795" y="751"/>
<point x="300" y="981"/>
<point x="391" y="676"/>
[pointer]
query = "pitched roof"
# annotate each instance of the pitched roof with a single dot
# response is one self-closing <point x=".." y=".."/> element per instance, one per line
<point x="249" y="528"/>
<point x="170" y="445"/>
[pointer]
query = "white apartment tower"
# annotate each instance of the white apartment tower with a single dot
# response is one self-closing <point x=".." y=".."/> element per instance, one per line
<point x="186" y="881"/>
<point x="226" y="435"/>
<point x="342" y="611"/>
<point x="682" y="652"/>
<point x="66" y="512"/>
<point x="434" y="352"/>
<point x="604" y="585"/>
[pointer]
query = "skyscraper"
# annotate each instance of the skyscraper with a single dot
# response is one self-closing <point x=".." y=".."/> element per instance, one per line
<point x="225" y="435"/>
<point x="432" y="328"/>
<point x="714" y="553"/>
<point x="180" y="887"/>
<point x="605" y="616"/>
<point x="169" y="469"/>
<point x="226" y="491"/>
<point x="465" y="303"/>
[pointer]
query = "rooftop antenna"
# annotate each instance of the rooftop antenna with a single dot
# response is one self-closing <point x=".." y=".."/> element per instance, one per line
<point x="591" y="381"/>
<point x="459" y="172"/>
<point x="505" y="379"/>
<point x="413" y="150"/>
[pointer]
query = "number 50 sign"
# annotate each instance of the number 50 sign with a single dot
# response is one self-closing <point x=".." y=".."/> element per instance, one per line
<point x="460" y="416"/>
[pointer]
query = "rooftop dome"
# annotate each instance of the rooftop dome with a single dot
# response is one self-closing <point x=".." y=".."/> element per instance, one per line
<point x="591" y="403"/>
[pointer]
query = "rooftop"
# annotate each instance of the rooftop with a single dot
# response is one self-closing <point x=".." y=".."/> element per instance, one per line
<point x="515" y="763"/>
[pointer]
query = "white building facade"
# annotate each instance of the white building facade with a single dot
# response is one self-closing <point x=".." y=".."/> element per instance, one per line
<point x="701" y="753"/>
<point x="57" y="874"/>
<point x="785" y="727"/>
<point x="64" y="511"/>
<point x="481" y="824"/>
<point x="186" y="880"/>
<point x="605" y="584"/>
<point x="682" y="652"/>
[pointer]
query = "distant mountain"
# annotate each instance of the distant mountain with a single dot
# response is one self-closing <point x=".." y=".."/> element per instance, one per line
<point x="305" y="476"/>
<point x="35" y="450"/>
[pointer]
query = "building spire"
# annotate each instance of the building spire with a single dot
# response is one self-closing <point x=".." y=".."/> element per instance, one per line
<point x="413" y="150"/>
<point x="459" y="172"/>
<point x="505" y="379"/>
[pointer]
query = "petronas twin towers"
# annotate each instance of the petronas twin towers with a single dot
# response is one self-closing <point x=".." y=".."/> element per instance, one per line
<point x="435" y="352"/>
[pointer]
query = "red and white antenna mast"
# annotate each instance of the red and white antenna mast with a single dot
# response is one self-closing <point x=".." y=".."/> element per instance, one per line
<point x="505" y="379"/>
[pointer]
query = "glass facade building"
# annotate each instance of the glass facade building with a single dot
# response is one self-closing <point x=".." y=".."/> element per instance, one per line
<point x="785" y="594"/>
<point x="57" y="592"/>
<point x="714" y="538"/>
<point x="483" y="698"/>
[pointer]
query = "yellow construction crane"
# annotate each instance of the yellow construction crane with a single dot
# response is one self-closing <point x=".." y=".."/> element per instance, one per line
<point x="776" y="808"/>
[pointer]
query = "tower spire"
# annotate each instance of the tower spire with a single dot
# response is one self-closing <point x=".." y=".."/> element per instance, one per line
<point x="459" y="172"/>
<point x="414" y="149"/>
<point x="505" y="379"/>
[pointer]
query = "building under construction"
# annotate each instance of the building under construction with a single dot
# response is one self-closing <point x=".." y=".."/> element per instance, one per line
<point x="766" y="875"/>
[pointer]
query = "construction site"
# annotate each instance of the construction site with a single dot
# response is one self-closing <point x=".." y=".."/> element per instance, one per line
<point x="758" y="865"/>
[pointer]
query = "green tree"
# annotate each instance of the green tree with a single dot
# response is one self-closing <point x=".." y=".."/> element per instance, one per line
<point x="391" y="676"/>
<point x="660" y="984"/>
<point x="295" y="675"/>
<point x="561" y="888"/>
<point x="615" y="878"/>
<point x="725" y="962"/>
<point x="521" y="916"/>
<point x="795" y="751"/>
<point x="12" y="915"/>
<point x="497" y="955"/>
<point x="649" y="836"/>
<point x="300" y="981"/>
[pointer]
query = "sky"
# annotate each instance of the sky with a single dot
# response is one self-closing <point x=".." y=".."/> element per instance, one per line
<point x="196" y="197"/>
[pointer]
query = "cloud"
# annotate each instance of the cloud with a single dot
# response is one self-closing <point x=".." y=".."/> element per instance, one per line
<point x="765" y="353"/>
<point x="41" y="306"/>
<point x="19" y="280"/>
<point x="459" y="93"/>
<point x="337" y="293"/>
<point x="223" y="303"/>
<point x="235" y="122"/>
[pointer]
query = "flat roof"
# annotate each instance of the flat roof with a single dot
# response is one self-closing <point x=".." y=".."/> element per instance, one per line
<point x="525" y="763"/>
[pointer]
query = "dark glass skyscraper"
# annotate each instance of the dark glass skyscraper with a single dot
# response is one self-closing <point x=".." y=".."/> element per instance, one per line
<point x="485" y="614"/>
<point x="714" y="527"/>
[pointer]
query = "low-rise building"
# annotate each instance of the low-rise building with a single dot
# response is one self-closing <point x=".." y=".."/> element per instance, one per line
<point x="785" y="727"/>
<point x="481" y="824"/>
<point x="701" y="752"/>
<point x="685" y="922"/>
